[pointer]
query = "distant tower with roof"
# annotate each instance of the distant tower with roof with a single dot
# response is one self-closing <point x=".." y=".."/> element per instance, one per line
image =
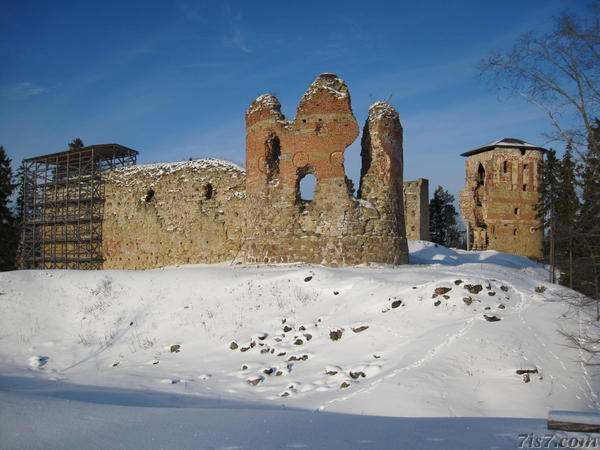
<point x="500" y="194"/>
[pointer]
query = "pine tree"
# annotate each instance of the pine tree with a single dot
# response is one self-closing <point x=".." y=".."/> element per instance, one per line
<point x="76" y="144"/>
<point x="8" y="232"/>
<point x="588" y="222"/>
<point x="547" y="207"/>
<point x="567" y="207"/>
<point x="442" y="219"/>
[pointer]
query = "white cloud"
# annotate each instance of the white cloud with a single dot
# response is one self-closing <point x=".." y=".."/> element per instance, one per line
<point x="22" y="91"/>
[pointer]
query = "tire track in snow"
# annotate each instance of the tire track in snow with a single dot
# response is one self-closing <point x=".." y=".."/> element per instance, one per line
<point x="592" y="396"/>
<point x="432" y="353"/>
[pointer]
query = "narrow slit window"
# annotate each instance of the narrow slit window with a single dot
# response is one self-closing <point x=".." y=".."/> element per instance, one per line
<point x="149" y="196"/>
<point x="516" y="211"/>
<point x="524" y="187"/>
<point x="505" y="166"/>
<point x="208" y="191"/>
<point x="273" y="155"/>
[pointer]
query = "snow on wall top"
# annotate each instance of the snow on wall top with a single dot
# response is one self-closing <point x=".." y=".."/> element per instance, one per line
<point x="265" y="101"/>
<point x="156" y="170"/>
<point x="328" y="82"/>
<point x="504" y="143"/>
<point x="383" y="110"/>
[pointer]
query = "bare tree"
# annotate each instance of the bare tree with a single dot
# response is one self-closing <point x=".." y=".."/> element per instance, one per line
<point x="559" y="73"/>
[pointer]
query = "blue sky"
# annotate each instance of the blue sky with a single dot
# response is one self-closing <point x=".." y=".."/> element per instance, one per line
<point x="173" y="79"/>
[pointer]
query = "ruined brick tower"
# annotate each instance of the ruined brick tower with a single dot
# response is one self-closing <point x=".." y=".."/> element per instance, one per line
<point x="499" y="198"/>
<point x="333" y="228"/>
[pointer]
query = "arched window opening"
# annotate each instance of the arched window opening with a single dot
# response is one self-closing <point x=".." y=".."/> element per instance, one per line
<point x="524" y="187"/>
<point x="480" y="175"/>
<point x="305" y="186"/>
<point x="149" y="196"/>
<point x="516" y="211"/>
<point x="515" y="231"/>
<point x="208" y="191"/>
<point x="273" y="155"/>
<point x="505" y="166"/>
<point x="308" y="184"/>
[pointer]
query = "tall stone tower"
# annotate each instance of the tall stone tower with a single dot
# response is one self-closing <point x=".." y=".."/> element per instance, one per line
<point x="499" y="198"/>
<point x="332" y="228"/>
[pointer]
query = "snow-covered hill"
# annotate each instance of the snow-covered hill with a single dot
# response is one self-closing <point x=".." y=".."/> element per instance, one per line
<point x="454" y="334"/>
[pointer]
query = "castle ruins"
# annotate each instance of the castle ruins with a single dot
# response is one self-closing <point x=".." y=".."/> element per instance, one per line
<point x="499" y="198"/>
<point x="210" y="210"/>
<point x="94" y="208"/>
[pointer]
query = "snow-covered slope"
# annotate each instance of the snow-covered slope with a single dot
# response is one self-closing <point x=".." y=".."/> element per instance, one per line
<point x="442" y="337"/>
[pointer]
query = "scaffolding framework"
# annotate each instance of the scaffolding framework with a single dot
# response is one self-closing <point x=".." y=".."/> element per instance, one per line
<point x="63" y="205"/>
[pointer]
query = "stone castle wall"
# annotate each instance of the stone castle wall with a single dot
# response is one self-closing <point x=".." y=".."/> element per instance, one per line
<point x="208" y="211"/>
<point x="499" y="199"/>
<point x="174" y="213"/>
<point x="333" y="228"/>
<point x="416" y="209"/>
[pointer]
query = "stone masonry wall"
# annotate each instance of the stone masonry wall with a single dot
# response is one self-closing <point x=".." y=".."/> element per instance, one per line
<point x="333" y="228"/>
<point x="499" y="200"/>
<point x="174" y="213"/>
<point x="416" y="209"/>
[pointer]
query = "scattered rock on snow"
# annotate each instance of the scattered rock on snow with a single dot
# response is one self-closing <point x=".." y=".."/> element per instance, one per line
<point x="491" y="318"/>
<point x="115" y="364"/>
<point x="335" y="335"/>
<point x="457" y="282"/>
<point x="255" y="381"/>
<point x="287" y="328"/>
<point x="233" y="346"/>
<point x="335" y="292"/>
<point x="244" y="349"/>
<point x="442" y="290"/>
<point x="526" y="378"/>
<point x="525" y="371"/>
<point x="344" y="385"/>
<point x="285" y="394"/>
<point x="359" y="329"/>
<point x="308" y="336"/>
<point x="281" y="354"/>
<point x="175" y="348"/>
<point x="491" y="293"/>
<point x="244" y="367"/>
<point x="504" y="288"/>
<point x="331" y="372"/>
<point x="298" y="342"/>
<point x="268" y="371"/>
<point x="437" y="303"/>
<point x="540" y="289"/>
<point x="396" y="303"/>
<point x="447" y="297"/>
<point x="307" y="279"/>
<point x="473" y="289"/>
<point x="501" y="306"/>
<point x="358" y="374"/>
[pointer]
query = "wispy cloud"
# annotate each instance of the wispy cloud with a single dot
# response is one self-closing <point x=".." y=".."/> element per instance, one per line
<point x="235" y="37"/>
<point x="22" y="91"/>
<point x="190" y="12"/>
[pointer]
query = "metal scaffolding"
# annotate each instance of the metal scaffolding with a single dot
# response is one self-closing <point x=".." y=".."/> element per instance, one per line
<point x="63" y="203"/>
